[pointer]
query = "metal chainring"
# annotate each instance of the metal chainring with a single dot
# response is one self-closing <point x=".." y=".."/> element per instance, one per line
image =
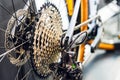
<point x="13" y="37"/>
<point x="46" y="45"/>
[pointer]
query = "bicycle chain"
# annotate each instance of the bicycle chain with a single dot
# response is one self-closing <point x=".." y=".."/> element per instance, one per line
<point x="46" y="43"/>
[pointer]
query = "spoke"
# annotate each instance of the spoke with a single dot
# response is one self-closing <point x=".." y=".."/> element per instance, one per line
<point x="3" y="6"/>
<point x="28" y="5"/>
<point x="2" y="58"/>
<point x="16" y="78"/>
<point x="32" y="3"/>
<point x="13" y="5"/>
<point x="27" y="74"/>
<point x="1" y="29"/>
<point x="7" y="52"/>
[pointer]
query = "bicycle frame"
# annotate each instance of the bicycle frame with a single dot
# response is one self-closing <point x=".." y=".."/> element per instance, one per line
<point x="69" y="36"/>
<point x="100" y="15"/>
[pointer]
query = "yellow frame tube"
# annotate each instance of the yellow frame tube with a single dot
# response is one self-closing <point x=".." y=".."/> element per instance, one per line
<point x="70" y="6"/>
<point x="103" y="45"/>
<point x="84" y="17"/>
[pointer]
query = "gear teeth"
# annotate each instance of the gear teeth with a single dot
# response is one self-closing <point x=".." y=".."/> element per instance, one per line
<point x="46" y="44"/>
<point x="9" y="44"/>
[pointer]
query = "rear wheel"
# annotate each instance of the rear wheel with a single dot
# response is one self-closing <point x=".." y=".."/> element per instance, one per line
<point x="34" y="35"/>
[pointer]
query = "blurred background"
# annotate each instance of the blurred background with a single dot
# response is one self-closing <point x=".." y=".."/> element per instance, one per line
<point x="102" y="65"/>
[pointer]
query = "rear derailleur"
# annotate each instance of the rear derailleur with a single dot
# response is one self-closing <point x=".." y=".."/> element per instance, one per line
<point x="67" y="68"/>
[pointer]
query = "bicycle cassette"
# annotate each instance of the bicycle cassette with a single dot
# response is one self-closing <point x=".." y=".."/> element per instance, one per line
<point x="46" y="45"/>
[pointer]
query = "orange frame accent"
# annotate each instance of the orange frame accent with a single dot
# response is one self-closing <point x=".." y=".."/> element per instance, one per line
<point x="106" y="46"/>
<point x="103" y="45"/>
<point x="84" y="17"/>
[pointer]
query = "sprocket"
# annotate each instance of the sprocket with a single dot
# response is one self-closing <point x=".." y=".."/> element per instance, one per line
<point x="46" y="45"/>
